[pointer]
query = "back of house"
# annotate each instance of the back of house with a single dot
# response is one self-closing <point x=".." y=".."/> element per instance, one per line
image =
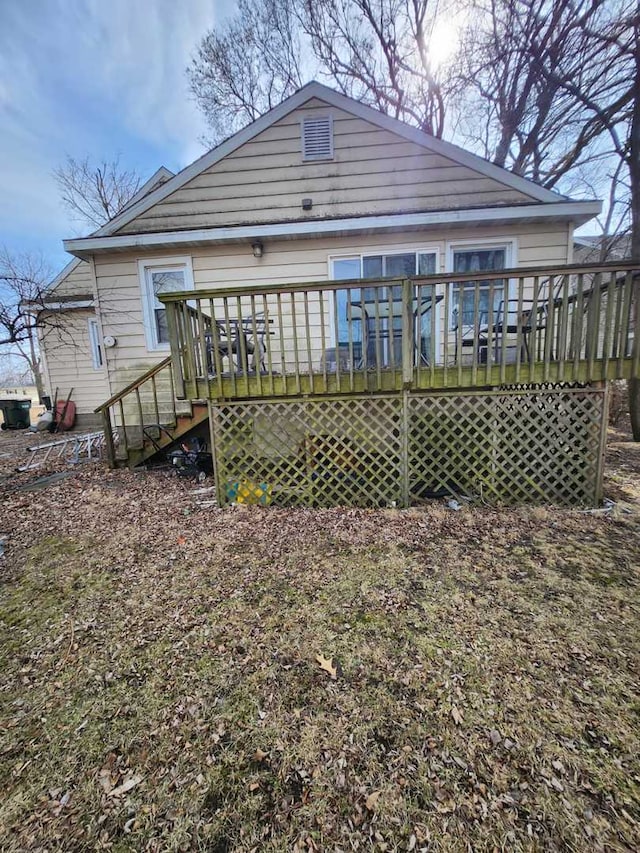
<point x="223" y="277"/>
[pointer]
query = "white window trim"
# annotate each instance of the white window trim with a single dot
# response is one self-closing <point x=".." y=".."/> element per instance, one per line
<point x="375" y="251"/>
<point x="153" y="345"/>
<point x="95" y="343"/>
<point x="310" y="159"/>
<point x="382" y="250"/>
<point x="509" y="244"/>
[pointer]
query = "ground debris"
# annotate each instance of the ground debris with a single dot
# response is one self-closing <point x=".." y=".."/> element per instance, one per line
<point x="177" y="676"/>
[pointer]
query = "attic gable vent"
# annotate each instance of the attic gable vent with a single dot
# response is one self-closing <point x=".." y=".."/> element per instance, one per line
<point x="317" y="138"/>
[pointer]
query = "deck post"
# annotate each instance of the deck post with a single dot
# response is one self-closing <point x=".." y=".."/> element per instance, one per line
<point x="404" y="450"/>
<point x="172" y="328"/>
<point x="214" y="453"/>
<point x="604" y="385"/>
<point x="108" y="437"/>
<point x="407" y="333"/>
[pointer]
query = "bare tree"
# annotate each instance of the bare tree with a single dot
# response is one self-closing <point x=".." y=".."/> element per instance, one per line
<point x="23" y="285"/>
<point x="95" y="193"/>
<point x="12" y="371"/>
<point x="247" y="66"/>
<point x="377" y="51"/>
<point x="527" y="65"/>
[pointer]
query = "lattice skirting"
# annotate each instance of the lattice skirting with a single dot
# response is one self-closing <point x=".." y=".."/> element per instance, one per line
<point x="525" y="445"/>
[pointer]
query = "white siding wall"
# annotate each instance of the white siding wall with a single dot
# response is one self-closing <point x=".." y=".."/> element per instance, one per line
<point x="373" y="171"/>
<point x="284" y="261"/>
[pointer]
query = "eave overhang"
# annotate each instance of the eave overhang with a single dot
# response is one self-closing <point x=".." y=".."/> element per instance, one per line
<point x="577" y="212"/>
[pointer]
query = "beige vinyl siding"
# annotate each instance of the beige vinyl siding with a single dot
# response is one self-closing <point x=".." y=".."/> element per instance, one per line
<point x="78" y="282"/>
<point x="120" y="299"/>
<point x="283" y="262"/>
<point x="65" y="339"/>
<point x="373" y="171"/>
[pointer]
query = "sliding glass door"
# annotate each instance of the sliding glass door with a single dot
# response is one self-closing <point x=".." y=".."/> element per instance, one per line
<point x="372" y="316"/>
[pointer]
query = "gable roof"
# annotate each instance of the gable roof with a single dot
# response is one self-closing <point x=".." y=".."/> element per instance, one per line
<point x="159" y="177"/>
<point x="339" y="101"/>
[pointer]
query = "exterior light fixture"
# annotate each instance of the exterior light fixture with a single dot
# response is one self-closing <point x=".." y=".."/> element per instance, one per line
<point x="307" y="203"/>
<point x="258" y="249"/>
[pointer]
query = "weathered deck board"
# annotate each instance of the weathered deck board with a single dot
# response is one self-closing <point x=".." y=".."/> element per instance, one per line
<point x="472" y="330"/>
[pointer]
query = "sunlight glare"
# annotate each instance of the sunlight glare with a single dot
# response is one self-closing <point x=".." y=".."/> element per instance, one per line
<point x="443" y="41"/>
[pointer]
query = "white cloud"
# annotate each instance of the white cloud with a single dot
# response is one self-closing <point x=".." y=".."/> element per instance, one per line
<point x="93" y="78"/>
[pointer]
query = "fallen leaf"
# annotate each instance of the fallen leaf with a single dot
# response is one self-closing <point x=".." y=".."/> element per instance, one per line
<point x="456" y="713"/>
<point x="62" y="803"/>
<point x="182" y="540"/>
<point x="127" y="785"/>
<point x="327" y="665"/>
<point x="259" y="755"/>
<point x="372" y="801"/>
<point x="494" y="737"/>
<point x="104" y="780"/>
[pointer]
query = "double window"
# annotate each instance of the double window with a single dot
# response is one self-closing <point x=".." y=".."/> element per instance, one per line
<point x="156" y="277"/>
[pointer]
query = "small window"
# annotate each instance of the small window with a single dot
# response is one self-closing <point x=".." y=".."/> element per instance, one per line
<point x="95" y="343"/>
<point x="317" y="138"/>
<point x="463" y="307"/>
<point x="170" y="276"/>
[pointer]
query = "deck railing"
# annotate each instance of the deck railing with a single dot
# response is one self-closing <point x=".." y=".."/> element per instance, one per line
<point x="148" y="403"/>
<point x="546" y="324"/>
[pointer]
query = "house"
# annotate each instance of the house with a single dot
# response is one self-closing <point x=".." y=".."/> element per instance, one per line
<point x="72" y="341"/>
<point x="231" y="297"/>
<point x="591" y="248"/>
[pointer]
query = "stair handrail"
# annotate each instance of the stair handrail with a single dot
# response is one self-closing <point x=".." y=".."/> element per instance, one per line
<point x="104" y="408"/>
<point x="133" y="385"/>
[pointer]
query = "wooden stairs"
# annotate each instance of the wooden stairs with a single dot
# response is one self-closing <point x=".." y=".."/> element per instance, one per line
<point x="159" y="437"/>
<point x="145" y="418"/>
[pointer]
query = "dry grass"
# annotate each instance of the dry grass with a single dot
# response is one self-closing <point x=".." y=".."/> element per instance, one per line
<point x="487" y="693"/>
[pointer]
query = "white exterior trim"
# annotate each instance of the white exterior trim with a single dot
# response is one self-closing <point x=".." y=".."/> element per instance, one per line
<point x="73" y="263"/>
<point x="66" y="306"/>
<point x="499" y="242"/>
<point x="162" y="174"/>
<point x="509" y="244"/>
<point x="325" y="227"/>
<point x="96" y="344"/>
<point x="374" y="251"/>
<point x="342" y="102"/>
<point x="185" y="263"/>
<point x="158" y="175"/>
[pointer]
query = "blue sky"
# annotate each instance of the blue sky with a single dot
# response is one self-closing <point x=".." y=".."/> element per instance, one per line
<point x="91" y="78"/>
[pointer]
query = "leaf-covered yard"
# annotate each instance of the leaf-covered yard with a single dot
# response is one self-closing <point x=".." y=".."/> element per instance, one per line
<point x="176" y="677"/>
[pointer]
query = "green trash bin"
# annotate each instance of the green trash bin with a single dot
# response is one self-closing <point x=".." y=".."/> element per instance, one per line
<point x="16" y="414"/>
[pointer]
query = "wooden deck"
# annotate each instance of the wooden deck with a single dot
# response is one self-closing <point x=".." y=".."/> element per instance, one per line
<point x="382" y="393"/>
<point x="557" y="324"/>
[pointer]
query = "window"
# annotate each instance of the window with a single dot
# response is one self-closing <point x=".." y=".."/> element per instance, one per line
<point x="169" y="276"/>
<point x="481" y="259"/>
<point x="353" y="304"/>
<point x="95" y="344"/>
<point x="317" y="138"/>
